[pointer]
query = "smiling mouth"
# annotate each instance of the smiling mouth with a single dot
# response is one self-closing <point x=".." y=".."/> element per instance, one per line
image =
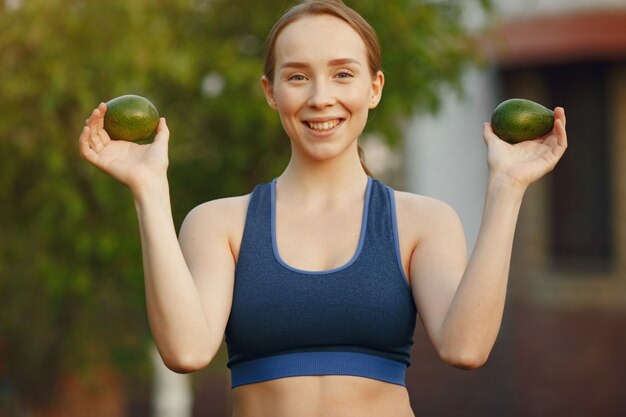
<point x="323" y="126"/>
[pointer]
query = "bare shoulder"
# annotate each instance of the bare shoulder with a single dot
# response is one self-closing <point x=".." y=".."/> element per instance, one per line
<point x="426" y="214"/>
<point x="224" y="217"/>
<point x="431" y="235"/>
<point x="221" y="209"/>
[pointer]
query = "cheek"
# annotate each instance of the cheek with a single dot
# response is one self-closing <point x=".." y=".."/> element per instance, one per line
<point x="360" y="94"/>
<point x="287" y="102"/>
<point x="358" y="100"/>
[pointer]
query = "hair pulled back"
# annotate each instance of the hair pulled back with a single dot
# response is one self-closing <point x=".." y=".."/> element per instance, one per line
<point x="323" y="7"/>
<point x="335" y="8"/>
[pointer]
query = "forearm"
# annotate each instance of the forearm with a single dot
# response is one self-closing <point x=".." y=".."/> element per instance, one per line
<point x="473" y="320"/>
<point x="176" y="316"/>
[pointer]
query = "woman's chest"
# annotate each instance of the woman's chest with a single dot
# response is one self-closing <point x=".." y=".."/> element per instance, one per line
<point x="317" y="240"/>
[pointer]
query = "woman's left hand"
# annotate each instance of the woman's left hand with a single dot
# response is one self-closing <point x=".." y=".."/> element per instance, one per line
<point x="525" y="162"/>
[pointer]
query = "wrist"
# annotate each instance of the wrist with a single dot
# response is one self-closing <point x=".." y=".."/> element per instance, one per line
<point x="502" y="184"/>
<point x="150" y="192"/>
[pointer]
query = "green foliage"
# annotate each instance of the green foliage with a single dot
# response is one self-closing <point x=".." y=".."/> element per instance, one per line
<point x="71" y="290"/>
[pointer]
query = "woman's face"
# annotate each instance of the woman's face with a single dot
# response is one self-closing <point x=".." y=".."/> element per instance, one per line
<point x="323" y="87"/>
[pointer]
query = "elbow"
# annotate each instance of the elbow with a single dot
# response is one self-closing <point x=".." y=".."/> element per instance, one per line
<point x="183" y="367"/>
<point x="186" y="363"/>
<point x="464" y="359"/>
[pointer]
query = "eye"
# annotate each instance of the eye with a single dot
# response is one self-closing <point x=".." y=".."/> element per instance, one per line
<point x="296" y="77"/>
<point x="344" y="74"/>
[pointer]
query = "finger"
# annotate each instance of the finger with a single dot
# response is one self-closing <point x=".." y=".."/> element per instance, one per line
<point x="84" y="137"/>
<point x="99" y="138"/>
<point x="559" y="126"/>
<point x="104" y="135"/>
<point x="559" y="113"/>
<point x="163" y="132"/>
<point x="488" y="133"/>
<point x="97" y="135"/>
<point x="96" y="121"/>
<point x="95" y="141"/>
<point x="561" y="134"/>
<point x="84" y="145"/>
<point x="102" y="108"/>
<point x="92" y="121"/>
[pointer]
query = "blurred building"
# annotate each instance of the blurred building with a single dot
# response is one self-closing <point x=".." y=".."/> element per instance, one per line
<point x="562" y="349"/>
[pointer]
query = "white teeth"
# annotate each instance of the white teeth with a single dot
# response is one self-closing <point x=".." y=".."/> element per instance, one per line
<point x="324" y="125"/>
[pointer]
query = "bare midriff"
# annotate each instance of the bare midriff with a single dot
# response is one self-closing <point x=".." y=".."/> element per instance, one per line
<point x="321" y="396"/>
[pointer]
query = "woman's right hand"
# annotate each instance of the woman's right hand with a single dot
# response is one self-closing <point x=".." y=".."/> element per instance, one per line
<point x="130" y="163"/>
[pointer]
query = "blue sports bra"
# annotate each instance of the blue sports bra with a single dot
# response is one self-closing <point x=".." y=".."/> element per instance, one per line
<point x="357" y="319"/>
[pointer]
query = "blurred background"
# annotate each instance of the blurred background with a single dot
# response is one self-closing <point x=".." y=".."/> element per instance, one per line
<point x="74" y="339"/>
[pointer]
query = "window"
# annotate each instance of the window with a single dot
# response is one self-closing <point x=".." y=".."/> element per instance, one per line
<point x="581" y="203"/>
<point x="580" y="190"/>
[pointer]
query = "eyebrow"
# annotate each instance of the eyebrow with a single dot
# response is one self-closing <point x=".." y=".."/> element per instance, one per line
<point x="332" y="63"/>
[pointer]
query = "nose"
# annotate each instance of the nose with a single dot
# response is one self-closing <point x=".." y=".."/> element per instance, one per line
<point x="321" y="95"/>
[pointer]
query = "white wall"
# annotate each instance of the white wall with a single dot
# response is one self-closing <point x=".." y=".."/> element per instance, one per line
<point x="172" y="395"/>
<point x="524" y="8"/>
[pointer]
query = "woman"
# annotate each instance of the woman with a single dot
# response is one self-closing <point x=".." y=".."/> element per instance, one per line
<point x="315" y="278"/>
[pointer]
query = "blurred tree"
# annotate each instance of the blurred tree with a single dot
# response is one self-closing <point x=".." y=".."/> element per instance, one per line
<point x="71" y="290"/>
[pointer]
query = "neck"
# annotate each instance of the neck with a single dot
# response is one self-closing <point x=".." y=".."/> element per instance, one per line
<point x="323" y="180"/>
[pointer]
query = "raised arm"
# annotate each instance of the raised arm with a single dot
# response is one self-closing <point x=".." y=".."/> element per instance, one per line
<point x="187" y="324"/>
<point x="461" y="304"/>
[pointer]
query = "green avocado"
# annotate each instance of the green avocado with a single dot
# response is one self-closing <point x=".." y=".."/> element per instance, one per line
<point x="130" y="117"/>
<point x="518" y="119"/>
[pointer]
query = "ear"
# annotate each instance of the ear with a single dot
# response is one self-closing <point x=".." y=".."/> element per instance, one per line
<point x="268" y="89"/>
<point x="377" y="89"/>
